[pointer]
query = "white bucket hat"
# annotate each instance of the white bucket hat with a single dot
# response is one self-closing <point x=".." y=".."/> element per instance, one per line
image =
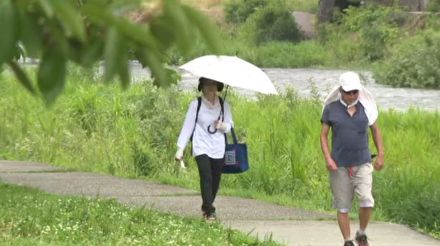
<point x="350" y="81"/>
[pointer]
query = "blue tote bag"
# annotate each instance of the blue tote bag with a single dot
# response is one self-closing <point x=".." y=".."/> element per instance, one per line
<point x="236" y="156"/>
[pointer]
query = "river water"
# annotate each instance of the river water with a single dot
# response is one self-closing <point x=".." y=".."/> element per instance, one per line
<point x="303" y="80"/>
<point x="386" y="97"/>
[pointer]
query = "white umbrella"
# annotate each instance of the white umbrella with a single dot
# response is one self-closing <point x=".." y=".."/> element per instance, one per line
<point x="232" y="71"/>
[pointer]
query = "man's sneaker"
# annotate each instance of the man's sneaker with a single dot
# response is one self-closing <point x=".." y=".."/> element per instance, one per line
<point x="349" y="243"/>
<point x="361" y="239"/>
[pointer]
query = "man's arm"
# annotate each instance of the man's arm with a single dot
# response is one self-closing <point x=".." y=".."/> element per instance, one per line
<point x="378" y="141"/>
<point x="331" y="164"/>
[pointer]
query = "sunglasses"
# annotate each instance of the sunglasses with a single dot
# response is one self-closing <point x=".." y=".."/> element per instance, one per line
<point x="353" y="92"/>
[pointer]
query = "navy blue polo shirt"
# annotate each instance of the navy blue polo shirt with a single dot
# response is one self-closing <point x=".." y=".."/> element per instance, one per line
<point x="349" y="134"/>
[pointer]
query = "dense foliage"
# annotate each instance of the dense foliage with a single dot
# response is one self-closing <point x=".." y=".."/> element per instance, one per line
<point x="434" y="5"/>
<point x="413" y="63"/>
<point x="237" y="11"/>
<point x="363" y="34"/>
<point x="87" y="32"/>
<point x="263" y="21"/>
<point x="272" y="23"/>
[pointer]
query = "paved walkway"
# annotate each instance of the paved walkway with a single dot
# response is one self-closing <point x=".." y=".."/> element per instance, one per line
<point x="290" y="226"/>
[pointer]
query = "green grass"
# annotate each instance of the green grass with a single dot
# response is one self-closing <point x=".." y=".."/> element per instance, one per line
<point x="31" y="217"/>
<point x="133" y="133"/>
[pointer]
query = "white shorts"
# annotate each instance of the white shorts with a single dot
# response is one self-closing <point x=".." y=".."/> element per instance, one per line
<point x="347" y="181"/>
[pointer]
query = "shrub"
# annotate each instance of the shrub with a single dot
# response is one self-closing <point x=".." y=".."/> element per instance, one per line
<point x="239" y="10"/>
<point x="272" y="23"/>
<point x="434" y="5"/>
<point x="413" y="63"/>
<point x="368" y="30"/>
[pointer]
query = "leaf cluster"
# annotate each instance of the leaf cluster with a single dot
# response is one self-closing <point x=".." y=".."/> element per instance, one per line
<point x="239" y="10"/>
<point x="89" y="31"/>
<point x="263" y="21"/>
<point x="364" y="33"/>
<point x="413" y="63"/>
<point x="272" y="23"/>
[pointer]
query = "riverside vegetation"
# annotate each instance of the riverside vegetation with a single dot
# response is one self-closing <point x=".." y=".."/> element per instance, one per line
<point x="401" y="48"/>
<point x="132" y="133"/>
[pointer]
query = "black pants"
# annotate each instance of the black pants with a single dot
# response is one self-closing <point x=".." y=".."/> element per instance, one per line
<point x="210" y="172"/>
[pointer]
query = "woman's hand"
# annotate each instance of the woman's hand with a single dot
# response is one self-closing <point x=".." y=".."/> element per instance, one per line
<point x="179" y="155"/>
<point x="220" y="125"/>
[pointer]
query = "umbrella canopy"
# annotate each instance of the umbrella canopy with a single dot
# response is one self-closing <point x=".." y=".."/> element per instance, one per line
<point x="232" y="71"/>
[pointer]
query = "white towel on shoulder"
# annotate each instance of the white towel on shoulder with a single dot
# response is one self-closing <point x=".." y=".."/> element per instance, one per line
<point x="365" y="98"/>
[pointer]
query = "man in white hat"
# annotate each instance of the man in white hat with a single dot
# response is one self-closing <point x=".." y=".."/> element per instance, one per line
<point x="349" y="111"/>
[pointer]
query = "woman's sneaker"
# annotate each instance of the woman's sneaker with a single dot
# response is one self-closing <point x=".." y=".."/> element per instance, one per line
<point x="361" y="239"/>
<point x="211" y="217"/>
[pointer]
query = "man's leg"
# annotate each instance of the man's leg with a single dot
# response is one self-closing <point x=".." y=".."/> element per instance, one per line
<point x="343" y="194"/>
<point x="344" y="225"/>
<point x="363" y="181"/>
<point x="364" y="218"/>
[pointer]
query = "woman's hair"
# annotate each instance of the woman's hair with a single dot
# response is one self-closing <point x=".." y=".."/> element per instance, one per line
<point x="202" y="79"/>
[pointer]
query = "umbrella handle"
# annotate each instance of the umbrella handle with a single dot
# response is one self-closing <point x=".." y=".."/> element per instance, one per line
<point x="209" y="129"/>
<point x="226" y="92"/>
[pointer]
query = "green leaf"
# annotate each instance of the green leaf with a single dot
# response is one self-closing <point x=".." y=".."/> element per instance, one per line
<point x="70" y="19"/>
<point x="163" y="30"/>
<point x="134" y="32"/>
<point x="116" y="58"/>
<point x="47" y="8"/>
<point x="91" y="53"/>
<point x="51" y="73"/>
<point x="30" y="35"/>
<point x="124" y="71"/>
<point x="137" y="33"/>
<point x="174" y="12"/>
<point x="152" y="60"/>
<point x="208" y="31"/>
<point x="8" y="28"/>
<point x="111" y="54"/>
<point x="21" y="76"/>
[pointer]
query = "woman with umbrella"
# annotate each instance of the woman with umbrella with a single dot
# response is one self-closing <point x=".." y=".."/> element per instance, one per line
<point x="207" y="120"/>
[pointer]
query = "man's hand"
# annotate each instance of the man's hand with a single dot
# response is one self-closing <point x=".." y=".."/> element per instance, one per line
<point x="331" y="165"/>
<point x="378" y="163"/>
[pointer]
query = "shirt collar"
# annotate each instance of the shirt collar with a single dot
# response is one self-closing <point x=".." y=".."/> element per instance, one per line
<point x="348" y="106"/>
<point x="209" y="104"/>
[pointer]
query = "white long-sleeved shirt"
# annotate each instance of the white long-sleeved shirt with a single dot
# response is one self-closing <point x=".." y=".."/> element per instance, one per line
<point x="204" y="142"/>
